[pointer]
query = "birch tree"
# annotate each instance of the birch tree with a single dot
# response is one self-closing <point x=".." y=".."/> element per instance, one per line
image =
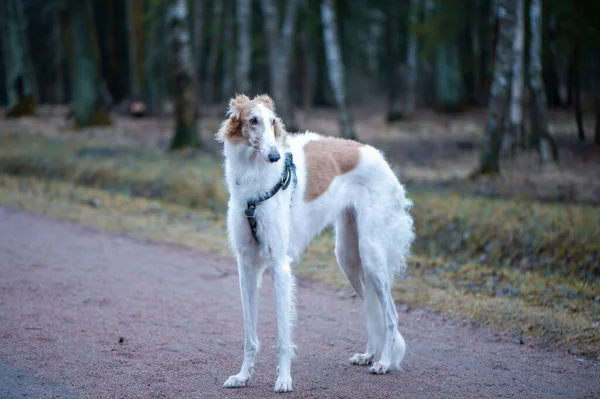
<point x="540" y="133"/>
<point x="489" y="162"/>
<point x="244" y="46"/>
<point x="515" y="127"/>
<point x="336" y="67"/>
<point x="411" y="59"/>
<point x="279" y="42"/>
<point x="21" y="90"/>
<point x="186" y="129"/>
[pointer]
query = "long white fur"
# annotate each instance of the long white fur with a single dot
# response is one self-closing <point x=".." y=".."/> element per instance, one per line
<point x="374" y="233"/>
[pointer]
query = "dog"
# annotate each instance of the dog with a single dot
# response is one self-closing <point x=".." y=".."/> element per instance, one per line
<point x="284" y="189"/>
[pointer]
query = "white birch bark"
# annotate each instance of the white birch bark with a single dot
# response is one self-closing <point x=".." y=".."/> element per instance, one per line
<point x="244" y="45"/>
<point x="514" y="134"/>
<point x="541" y="137"/>
<point x="336" y="67"/>
<point x="411" y="60"/>
<point x="280" y="50"/>
<point x="492" y="140"/>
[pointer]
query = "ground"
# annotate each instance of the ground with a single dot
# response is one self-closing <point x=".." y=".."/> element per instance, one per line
<point x="90" y="313"/>
<point x="501" y="296"/>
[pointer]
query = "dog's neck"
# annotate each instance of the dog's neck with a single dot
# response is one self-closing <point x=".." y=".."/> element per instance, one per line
<point x="247" y="173"/>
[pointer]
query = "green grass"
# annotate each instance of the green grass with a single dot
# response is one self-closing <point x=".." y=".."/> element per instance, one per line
<point x="515" y="264"/>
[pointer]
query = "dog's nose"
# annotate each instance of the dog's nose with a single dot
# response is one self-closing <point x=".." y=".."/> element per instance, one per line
<point x="274" y="155"/>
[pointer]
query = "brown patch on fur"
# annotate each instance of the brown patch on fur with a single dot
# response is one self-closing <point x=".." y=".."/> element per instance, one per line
<point x="325" y="159"/>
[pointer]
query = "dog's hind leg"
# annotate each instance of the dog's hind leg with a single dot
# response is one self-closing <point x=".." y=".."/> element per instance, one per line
<point x="348" y="258"/>
<point x="249" y="275"/>
<point x="374" y="263"/>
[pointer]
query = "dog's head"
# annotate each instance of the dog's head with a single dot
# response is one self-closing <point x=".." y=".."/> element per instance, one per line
<point x="253" y="123"/>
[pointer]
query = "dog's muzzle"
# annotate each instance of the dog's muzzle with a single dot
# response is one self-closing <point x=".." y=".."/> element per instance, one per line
<point x="274" y="155"/>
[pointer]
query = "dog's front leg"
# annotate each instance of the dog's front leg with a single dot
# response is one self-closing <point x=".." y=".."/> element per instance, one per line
<point x="284" y="299"/>
<point x="249" y="276"/>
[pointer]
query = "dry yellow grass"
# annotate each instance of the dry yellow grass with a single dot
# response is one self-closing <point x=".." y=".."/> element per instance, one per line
<point x="563" y="310"/>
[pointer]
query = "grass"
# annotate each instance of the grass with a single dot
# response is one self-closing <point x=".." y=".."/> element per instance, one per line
<point x="514" y="264"/>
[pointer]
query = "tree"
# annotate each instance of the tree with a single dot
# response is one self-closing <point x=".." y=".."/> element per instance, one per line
<point x="540" y="137"/>
<point x="186" y="129"/>
<point x="215" y="46"/>
<point x="489" y="162"/>
<point x="411" y="59"/>
<point x="392" y="39"/>
<point x="132" y="50"/>
<point x="21" y="90"/>
<point x="244" y="46"/>
<point x="279" y="43"/>
<point x="514" y="134"/>
<point x="597" y="97"/>
<point x="198" y="36"/>
<point x="336" y="67"/>
<point x="577" y="91"/>
<point x="88" y="105"/>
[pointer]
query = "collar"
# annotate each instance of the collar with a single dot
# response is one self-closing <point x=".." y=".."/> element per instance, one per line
<point x="288" y="175"/>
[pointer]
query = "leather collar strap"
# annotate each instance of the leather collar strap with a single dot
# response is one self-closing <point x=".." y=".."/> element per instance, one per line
<point x="288" y="175"/>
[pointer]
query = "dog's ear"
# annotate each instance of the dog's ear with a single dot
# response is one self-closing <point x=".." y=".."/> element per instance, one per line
<point x="237" y="104"/>
<point x="230" y="130"/>
<point x="266" y="101"/>
<point x="279" y="129"/>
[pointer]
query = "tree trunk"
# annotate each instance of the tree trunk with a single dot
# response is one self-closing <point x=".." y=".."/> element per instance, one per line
<point x="577" y="93"/>
<point x="244" y="46"/>
<point x="540" y="134"/>
<point x="59" y="56"/>
<point x="132" y="49"/>
<point x="394" y="105"/>
<point x="215" y="46"/>
<point x="516" y="125"/>
<point x="6" y="59"/>
<point x="20" y="83"/>
<point x="280" y="51"/>
<point x="305" y="68"/>
<point x="336" y="67"/>
<point x="197" y="41"/>
<point x="229" y="50"/>
<point x="87" y="104"/>
<point x="150" y="54"/>
<point x="489" y="162"/>
<point x="412" y="60"/>
<point x="186" y="128"/>
<point x="448" y="77"/>
<point x="597" y="97"/>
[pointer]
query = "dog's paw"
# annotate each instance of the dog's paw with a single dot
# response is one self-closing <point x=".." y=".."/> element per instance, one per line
<point x="236" y="381"/>
<point x="362" y="359"/>
<point x="283" y="384"/>
<point x="379" y="368"/>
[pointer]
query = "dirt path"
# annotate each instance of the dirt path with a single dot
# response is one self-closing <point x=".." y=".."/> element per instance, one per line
<point x="69" y="293"/>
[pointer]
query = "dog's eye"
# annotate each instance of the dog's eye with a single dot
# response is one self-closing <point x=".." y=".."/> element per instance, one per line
<point x="253" y="120"/>
<point x="273" y="122"/>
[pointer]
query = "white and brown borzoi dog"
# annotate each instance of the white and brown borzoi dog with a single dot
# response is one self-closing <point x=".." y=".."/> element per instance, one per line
<point x="284" y="190"/>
